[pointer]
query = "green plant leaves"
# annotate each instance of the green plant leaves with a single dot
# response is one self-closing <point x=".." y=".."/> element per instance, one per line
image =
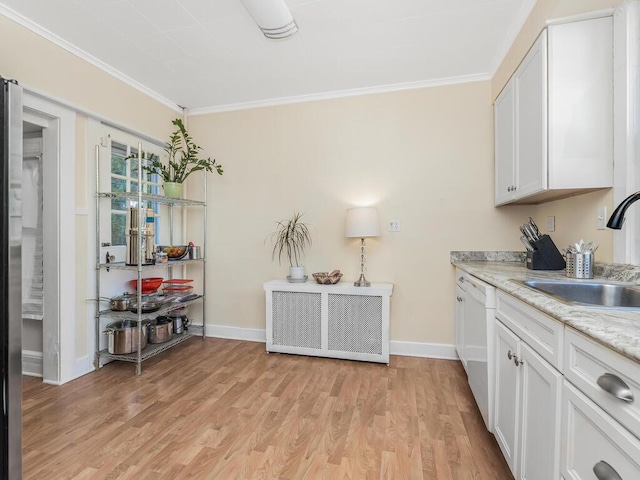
<point x="181" y="145"/>
<point x="290" y="239"/>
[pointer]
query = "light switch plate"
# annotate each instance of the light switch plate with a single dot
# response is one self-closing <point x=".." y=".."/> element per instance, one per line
<point x="551" y="223"/>
<point x="394" y="225"/>
<point x="602" y="218"/>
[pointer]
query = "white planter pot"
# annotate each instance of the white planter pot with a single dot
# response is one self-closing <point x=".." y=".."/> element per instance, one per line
<point x="296" y="273"/>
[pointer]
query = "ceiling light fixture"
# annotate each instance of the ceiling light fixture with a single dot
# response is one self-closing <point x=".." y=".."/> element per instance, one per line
<point x="273" y="17"/>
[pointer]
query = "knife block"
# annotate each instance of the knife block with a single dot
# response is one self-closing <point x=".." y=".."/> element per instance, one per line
<point x="545" y="255"/>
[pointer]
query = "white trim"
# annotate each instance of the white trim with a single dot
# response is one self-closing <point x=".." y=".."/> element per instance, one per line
<point x="89" y="114"/>
<point x="605" y="12"/>
<point x="59" y="141"/>
<point x="31" y="363"/>
<point x="82" y="212"/>
<point x="512" y="34"/>
<point x="83" y="366"/>
<point x="407" y="349"/>
<point x="626" y="169"/>
<point x="55" y="39"/>
<point x="313" y="97"/>
<point x="236" y="333"/>
<point x="426" y="350"/>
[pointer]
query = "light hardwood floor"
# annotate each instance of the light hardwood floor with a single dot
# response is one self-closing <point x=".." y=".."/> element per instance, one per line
<point x="225" y="409"/>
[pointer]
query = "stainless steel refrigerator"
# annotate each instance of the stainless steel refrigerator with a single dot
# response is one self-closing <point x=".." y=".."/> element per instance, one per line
<point x="11" y="278"/>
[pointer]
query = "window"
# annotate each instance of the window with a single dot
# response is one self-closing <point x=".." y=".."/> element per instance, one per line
<point x="118" y="160"/>
<point x="124" y="178"/>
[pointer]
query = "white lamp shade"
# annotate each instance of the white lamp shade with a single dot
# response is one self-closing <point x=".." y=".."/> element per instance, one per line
<point x="362" y="222"/>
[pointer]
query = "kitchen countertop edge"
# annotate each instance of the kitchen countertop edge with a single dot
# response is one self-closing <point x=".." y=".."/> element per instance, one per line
<point x="616" y="329"/>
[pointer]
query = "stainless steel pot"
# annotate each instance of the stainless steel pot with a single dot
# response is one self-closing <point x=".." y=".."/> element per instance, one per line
<point x="119" y="303"/>
<point x="123" y="337"/>
<point x="159" y="330"/>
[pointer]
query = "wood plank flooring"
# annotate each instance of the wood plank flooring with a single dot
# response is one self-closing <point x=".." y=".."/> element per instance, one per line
<point x="225" y="409"/>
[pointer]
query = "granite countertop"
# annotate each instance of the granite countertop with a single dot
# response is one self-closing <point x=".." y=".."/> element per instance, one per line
<point x="616" y="329"/>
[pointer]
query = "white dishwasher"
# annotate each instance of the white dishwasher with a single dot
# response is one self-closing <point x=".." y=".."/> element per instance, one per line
<point x="474" y="317"/>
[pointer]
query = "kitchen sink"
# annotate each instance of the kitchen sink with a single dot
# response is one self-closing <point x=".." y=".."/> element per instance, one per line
<point x="596" y="293"/>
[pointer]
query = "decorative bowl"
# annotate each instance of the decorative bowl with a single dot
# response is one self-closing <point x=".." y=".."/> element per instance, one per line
<point x="175" y="252"/>
<point x="326" y="278"/>
<point x="149" y="285"/>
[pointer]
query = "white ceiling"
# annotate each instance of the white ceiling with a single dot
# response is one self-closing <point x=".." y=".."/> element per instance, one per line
<point x="209" y="55"/>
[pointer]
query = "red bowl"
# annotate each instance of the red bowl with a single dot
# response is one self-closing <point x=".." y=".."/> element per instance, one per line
<point x="149" y="285"/>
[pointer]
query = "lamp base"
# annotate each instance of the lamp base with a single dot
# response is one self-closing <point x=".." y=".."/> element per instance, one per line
<point x="362" y="282"/>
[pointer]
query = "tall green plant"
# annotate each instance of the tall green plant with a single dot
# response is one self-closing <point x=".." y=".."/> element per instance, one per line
<point x="290" y="239"/>
<point x="183" y="157"/>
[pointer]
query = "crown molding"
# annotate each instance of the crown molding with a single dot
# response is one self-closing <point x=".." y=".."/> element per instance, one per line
<point x="313" y="97"/>
<point x="55" y="39"/>
<point x="512" y="34"/>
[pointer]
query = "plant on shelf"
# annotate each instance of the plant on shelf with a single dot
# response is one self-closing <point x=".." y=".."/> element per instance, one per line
<point x="290" y="239"/>
<point x="183" y="161"/>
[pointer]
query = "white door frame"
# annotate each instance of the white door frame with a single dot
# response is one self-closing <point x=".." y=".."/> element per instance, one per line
<point x="59" y="324"/>
<point x="626" y="242"/>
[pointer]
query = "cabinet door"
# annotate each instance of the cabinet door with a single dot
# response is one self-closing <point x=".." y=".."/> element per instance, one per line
<point x="507" y="397"/>
<point x="541" y="387"/>
<point x="459" y="325"/>
<point x="531" y="120"/>
<point x="504" y="112"/>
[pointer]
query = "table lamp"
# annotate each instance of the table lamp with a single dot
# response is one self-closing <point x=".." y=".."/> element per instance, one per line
<point x="362" y="222"/>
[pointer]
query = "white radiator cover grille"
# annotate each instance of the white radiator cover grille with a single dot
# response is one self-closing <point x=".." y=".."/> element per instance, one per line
<point x="297" y="319"/>
<point x="336" y="321"/>
<point x="355" y="323"/>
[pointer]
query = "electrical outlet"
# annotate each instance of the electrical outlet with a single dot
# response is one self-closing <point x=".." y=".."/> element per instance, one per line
<point x="602" y="218"/>
<point x="394" y="225"/>
<point x="551" y="223"/>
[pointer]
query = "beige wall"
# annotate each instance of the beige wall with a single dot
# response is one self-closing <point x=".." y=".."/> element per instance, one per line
<point x="423" y="157"/>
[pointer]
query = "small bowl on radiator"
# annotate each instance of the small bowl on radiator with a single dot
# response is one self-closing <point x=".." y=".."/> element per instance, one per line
<point x="325" y="278"/>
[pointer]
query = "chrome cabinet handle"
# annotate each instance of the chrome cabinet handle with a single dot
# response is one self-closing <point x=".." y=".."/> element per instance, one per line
<point x="459" y="299"/>
<point x="614" y="385"/>
<point x="604" y="471"/>
<point x="514" y="357"/>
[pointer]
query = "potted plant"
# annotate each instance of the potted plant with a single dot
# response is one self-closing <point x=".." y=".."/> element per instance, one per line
<point x="183" y="161"/>
<point x="290" y="239"/>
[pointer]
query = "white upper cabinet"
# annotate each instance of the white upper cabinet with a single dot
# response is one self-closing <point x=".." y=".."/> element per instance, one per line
<point x="554" y="118"/>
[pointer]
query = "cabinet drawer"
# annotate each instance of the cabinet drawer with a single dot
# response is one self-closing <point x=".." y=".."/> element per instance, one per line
<point x="590" y="437"/>
<point x="586" y="361"/>
<point x="540" y="332"/>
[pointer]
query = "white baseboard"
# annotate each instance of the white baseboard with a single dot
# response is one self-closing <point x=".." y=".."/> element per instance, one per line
<point x="83" y="366"/>
<point x="427" y="350"/>
<point x="31" y="363"/>
<point x="409" y="349"/>
<point x="237" y="333"/>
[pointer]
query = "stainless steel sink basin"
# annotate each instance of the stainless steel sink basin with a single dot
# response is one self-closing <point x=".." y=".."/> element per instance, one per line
<point x="602" y="294"/>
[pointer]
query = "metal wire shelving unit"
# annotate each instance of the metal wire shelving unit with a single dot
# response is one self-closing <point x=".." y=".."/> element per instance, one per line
<point x="141" y="198"/>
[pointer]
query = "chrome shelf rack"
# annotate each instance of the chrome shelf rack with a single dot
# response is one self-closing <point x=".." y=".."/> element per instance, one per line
<point x="150" y="350"/>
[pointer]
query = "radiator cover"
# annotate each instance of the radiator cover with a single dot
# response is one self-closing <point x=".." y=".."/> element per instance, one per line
<point x="339" y="321"/>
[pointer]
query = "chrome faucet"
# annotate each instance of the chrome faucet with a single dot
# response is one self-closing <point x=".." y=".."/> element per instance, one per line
<point x="617" y="217"/>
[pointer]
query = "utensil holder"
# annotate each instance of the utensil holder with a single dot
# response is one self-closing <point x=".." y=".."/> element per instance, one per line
<point x="545" y="255"/>
<point x="580" y="265"/>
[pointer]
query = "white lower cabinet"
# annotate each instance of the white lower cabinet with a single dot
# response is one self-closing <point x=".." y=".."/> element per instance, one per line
<point x="595" y="446"/>
<point x="527" y="408"/>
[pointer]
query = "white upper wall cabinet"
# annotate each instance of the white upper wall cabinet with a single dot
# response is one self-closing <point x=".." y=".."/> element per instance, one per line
<point x="554" y="118"/>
